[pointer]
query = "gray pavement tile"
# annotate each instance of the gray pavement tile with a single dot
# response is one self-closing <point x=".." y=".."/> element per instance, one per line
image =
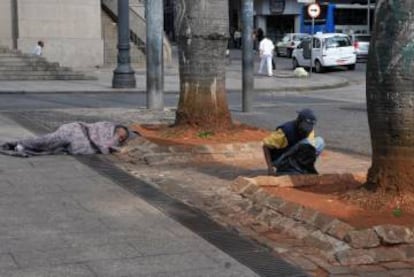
<point x="13" y="164"/>
<point x="35" y="241"/>
<point x="92" y="225"/>
<point x="68" y="255"/>
<point x="31" y="175"/>
<point x="149" y="265"/>
<point x="108" y="237"/>
<point x="115" y="203"/>
<point x="140" y="226"/>
<point x="27" y="230"/>
<point x="82" y="185"/>
<point x="40" y="208"/>
<point x="74" y="225"/>
<point x="77" y="270"/>
<point x="9" y="188"/>
<point x="143" y="223"/>
<point x="165" y="246"/>
<point x="7" y="261"/>
<point x="208" y="272"/>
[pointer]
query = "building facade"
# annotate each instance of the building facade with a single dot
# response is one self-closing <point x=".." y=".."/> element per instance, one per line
<point x="274" y="17"/>
<point x="277" y="17"/>
<point x="71" y="30"/>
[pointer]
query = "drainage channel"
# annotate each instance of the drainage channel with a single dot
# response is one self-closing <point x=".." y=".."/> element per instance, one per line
<point x="251" y="254"/>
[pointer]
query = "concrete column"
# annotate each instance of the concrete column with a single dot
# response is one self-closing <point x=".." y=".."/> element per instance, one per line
<point x="297" y="24"/>
<point x="15" y="23"/>
<point x="124" y="75"/>
<point x="154" y="13"/>
<point x="248" y="62"/>
<point x="369" y="16"/>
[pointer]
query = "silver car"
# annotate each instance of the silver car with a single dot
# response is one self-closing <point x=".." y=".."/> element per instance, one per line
<point x="361" y="45"/>
<point x="289" y="42"/>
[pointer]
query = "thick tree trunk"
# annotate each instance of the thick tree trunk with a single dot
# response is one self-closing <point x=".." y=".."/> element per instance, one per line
<point x="390" y="97"/>
<point x="202" y="30"/>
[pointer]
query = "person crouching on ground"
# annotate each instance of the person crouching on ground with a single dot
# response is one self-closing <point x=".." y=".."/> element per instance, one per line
<point x="76" y="138"/>
<point x="293" y="148"/>
<point x="266" y="48"/>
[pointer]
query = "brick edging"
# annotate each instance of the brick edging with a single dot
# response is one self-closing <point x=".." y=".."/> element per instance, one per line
<point x="347" y="244"/>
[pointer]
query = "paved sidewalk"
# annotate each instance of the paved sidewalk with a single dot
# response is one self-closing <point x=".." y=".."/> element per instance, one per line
<point x="58" y="217"/>
<point x="171" y="82"/>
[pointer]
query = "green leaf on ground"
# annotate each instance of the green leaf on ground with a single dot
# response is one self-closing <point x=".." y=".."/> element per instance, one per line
<point x="397" y="212"/>
<point x="205" y="134"/>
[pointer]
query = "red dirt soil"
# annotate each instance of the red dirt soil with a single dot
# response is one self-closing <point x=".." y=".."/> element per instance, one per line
<point x="167" y="135"/>
<point x="329" y="199"/>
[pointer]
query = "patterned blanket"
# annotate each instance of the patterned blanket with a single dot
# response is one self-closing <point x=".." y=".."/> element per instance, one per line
<point x="77" y="138"/>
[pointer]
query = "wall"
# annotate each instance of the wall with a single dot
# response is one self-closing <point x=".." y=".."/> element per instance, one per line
<point x="292" y="7"/>
<point x="110" y="35"/>
<point x="71" y="30"/>
<point x="6" y="37"/>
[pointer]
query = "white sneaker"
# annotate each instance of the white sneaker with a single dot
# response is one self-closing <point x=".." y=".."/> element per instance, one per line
<point x="19" y="148"/>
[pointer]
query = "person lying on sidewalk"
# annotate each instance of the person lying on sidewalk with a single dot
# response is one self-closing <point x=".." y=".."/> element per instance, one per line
<point x="76" y="138"/>
<point x="293" y="148"/>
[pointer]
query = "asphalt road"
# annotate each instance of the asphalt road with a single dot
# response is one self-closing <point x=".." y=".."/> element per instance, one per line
<point x="341" y="112"/>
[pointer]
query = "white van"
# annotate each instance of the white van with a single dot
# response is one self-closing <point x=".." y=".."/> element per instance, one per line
<point x="329" y="50"/>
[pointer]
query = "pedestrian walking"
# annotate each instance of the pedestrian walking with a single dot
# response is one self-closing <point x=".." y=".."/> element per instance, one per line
<point x="259" y="37"/>
<point x="266" y="48"/>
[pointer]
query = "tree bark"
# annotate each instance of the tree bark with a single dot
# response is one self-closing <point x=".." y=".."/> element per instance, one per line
<point x="390" y="97"/>
<point x="202" y="35"/>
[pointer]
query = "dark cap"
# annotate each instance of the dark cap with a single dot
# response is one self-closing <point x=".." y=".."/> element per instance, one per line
<point x="307" y="115"/>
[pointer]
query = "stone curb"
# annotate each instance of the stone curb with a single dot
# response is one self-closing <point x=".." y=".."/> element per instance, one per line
<point x="337" y="84"/>
<point x="349" y="246"/>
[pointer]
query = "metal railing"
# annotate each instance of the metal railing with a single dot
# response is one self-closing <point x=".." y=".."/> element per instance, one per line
<point x="137" y="24"/>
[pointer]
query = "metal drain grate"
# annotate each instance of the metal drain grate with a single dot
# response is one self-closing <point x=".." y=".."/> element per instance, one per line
<point x="251" y="254"/>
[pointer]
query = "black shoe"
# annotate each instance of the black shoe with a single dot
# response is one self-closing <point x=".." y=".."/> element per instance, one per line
<point x="9" y="146"/>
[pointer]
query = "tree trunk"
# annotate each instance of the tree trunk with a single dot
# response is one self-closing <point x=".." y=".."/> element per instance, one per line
<point x="202" y="30"/>
<point x="390" y="97"/>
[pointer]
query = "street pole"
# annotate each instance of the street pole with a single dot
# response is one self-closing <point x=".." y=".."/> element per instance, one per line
<point x="154" y="13"/>
<point x="311" y="46"/>
<point x="124" y="75"/>
<point x="248" y="62"/>
<point x="369" y="16"/>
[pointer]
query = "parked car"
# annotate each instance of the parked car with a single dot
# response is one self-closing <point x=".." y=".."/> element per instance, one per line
<point x="329" y="50"/>
<point x="361" y="45"/>
<point x="289" y="42"/>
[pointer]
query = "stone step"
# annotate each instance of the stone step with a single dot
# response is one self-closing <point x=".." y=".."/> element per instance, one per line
<point x="6" y="55"/>
<point x="46" y="77"/>
<point x="31" y="68"/>
<point x="12" y="51"/>
<point x="16" y="66"/>
<point x="21" y="58"/>
<point x="38" y="73"/>
<point x="28" y="63"/>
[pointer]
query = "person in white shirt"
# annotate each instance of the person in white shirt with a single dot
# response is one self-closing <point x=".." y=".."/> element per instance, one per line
<point x="237" y="38"/>
<point x="38" y="50"/>
<point x="266" y="48"/>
